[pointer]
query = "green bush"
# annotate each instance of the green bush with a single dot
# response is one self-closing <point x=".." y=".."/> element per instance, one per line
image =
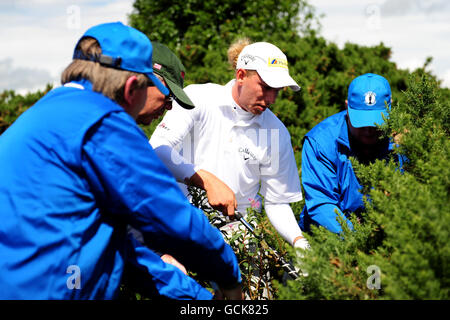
<point x="12" y="105"/>
<point x="405" y="230"/>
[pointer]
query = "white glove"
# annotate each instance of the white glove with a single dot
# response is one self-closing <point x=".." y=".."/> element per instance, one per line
<point x="302" y="243"/>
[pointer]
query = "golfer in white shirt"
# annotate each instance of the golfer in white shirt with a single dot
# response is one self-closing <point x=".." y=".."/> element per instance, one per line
<point x="232" y="134"/>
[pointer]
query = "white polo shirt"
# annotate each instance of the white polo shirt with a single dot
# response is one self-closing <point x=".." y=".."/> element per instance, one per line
<point x="250" y="153"/>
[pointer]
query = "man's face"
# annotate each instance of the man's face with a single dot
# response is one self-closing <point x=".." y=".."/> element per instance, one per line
<point x="136" y="101"/>
<point x="255" y="96"/>
<point x="365" y="135"/>
<point x="155" y="105"/>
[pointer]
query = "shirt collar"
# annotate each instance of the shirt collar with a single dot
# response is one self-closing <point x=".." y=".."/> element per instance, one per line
<point x="81" y="84"/>
<point x="240" y="116"/>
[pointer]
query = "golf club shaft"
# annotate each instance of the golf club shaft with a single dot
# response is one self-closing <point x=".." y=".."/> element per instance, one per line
<point x="288" y="267"/>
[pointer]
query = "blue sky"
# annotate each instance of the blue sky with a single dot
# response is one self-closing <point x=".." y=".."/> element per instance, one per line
<point x="38" y="35"/>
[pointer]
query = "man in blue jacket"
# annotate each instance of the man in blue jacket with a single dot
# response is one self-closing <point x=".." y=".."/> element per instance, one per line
<point x="76" y="170"/>
<point x="328" y="178"/>
<point x="170" y="71"/>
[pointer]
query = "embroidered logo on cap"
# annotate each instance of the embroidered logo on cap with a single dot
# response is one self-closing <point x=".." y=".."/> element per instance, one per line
<point x="277" y="62"/>
<point x="370" y="98"/>
<point x="247" y="58"/>
<point x="157" y="66"/>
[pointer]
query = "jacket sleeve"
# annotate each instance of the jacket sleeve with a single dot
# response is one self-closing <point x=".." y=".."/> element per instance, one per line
<point x="148" y="274"/>
<point x="321" y="186"/>
<point x="132" y="186"/>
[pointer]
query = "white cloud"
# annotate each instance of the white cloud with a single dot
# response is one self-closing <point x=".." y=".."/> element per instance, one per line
<point x="413" y="29"/>
<point x="41" y="34"/>
<point x="403" y="7"/>
<point x="22" y="79"/>
<point x="446" y="78"/>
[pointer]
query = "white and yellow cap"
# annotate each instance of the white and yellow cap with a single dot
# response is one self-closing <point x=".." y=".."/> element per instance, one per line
<point x="270" y="63"/>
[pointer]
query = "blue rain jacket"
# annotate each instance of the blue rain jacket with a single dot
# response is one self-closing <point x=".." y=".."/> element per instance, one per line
<point x="75" y="171"/>
<point x="328" y="178"/>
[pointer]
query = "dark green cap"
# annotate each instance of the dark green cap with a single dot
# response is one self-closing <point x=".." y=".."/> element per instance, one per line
<point x="167" y="65"/>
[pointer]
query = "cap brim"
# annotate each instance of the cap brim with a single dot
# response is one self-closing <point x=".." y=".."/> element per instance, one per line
<point x="161" y="87"/>
<point x="180" y="96"/>
<point x="367" y="118"/>
<point x="278" y="79"/>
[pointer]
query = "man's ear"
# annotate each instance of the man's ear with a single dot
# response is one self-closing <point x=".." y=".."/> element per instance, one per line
<point x="240" y="75"/>
<point x="129" y="91"/>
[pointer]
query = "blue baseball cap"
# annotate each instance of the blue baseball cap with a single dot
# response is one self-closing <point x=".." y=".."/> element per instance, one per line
<point x="124" y="48"/>
<point x="367" y="95"/>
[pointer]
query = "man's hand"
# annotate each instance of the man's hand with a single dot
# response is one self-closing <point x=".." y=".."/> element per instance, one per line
<point x="167" y="258"/>
<point x="220" y="196"/>
<point x="301" y="242"/>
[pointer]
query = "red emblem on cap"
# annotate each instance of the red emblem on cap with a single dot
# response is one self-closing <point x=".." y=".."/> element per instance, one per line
<point x="182" y="74"/>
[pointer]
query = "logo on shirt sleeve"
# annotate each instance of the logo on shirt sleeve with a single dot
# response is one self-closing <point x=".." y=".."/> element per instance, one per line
<point x="162" y="125"/>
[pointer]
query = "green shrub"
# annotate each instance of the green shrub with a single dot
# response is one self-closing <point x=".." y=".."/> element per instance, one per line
<point x="405" y="230"/>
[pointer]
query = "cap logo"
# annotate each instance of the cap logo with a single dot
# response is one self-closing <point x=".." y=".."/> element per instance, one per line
<point x="370" y="98"/>
<point x="247" y="58"/>
<point x="277" y="62"/>
<point x="157" y="66"/>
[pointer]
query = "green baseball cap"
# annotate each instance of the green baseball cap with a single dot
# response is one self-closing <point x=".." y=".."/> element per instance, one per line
<point x="169" y="67"/>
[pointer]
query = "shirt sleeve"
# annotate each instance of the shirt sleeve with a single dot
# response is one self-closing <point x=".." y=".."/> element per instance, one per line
<point x="320" y="182"/>
<point x="283" y="220"/>
<point x="168" y="138"/>
<point x="132" y="186"/>
<point x="174" y="127"/>
<point x="177" y="165"/>
<point x="280" y="181"/>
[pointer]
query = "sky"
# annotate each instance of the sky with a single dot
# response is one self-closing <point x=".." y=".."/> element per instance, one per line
<point x="38" y="36"/>
<point x="413" y="29"/>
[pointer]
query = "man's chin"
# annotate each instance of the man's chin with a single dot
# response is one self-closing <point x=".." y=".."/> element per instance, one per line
<point x="144" y="120"/>
<point x="259" y="110"/>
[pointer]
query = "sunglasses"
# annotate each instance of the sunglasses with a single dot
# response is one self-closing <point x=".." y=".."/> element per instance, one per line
<point x="168" y="99"/>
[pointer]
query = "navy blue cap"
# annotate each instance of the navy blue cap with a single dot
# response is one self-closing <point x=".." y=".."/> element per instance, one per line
<point x="124" y="48"/>
<point x="367" y="95"/>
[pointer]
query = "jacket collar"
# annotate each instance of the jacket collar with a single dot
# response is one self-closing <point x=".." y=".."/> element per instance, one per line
<point x="343" y="133"/>
<point x="81" y="84"/>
